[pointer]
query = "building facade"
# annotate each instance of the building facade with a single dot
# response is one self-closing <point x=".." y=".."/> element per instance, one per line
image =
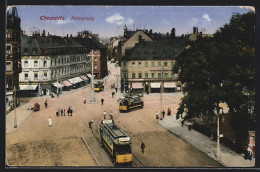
<point x="148" y="67"/>
<point x="52" y="64"/>
<point x="13" y="58"/>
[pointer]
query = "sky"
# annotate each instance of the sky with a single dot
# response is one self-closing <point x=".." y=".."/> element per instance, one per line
<point x="108" y="21"/>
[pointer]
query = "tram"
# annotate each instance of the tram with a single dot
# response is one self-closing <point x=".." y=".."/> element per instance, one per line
<point x="98" y="86"/>
<point x="128" y="103"/>
<point x="116" y="142"/>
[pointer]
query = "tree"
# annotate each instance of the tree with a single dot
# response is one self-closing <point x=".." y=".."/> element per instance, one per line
<point x="222" y="69"/>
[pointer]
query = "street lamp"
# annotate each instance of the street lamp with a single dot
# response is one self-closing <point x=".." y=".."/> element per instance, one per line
<point x="161" y="92"/>
<point x="15" y="119"/>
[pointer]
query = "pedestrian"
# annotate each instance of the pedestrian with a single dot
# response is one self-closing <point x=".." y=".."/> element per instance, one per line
<point x="163" y="113"/>
<point x="90" y="124"/>
<point x="71" y="111"/>
<point x="112" y="94"/>
<point x="111" y="115"/>
<point x="102" y="101"/>
<point x="105" y="114"/>
<point x="182" y="122"/>
<point x="50" y="122"/>
<point x="68" y="111"/>
<point x="64" y="112"/>
<point x="168" y="111"/>
<point x="57" y="113"/>
<point x="45" y="103"/>
<point x="116" y="89"/>
<point x="61" y="112"/>
<point x="85" y="100"/>
<point x="142" y="147"/>
<point x="157" y="115"/>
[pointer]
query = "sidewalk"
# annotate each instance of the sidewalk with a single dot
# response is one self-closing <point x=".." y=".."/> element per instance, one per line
<point x="228" y="158"/>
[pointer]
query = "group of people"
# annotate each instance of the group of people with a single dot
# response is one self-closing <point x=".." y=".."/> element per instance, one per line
<point x="105" y="115"/>
<point x="62" y="112"/>
<point x="169" y="112"/>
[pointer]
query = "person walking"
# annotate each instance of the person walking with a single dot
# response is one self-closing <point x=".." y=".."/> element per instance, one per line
<point x="57" y="113"/>
<point x="84" y="100"/>
<point x="50" y="122"/>
<point x="102" y="101"/>
<point x="111" y="115"/>
<point x="64" y="112"/>
<point x="90" y="124"/>
<point x="116" y="89"/>
<point x="142" y="147"/>
<point x="71" y="111"/>
<point x="112" y="94"/>
<point x="168" y="111"/>
<point x="105" y="114"/>
<point x="68" y="111"/>
<point x="45" y="103"/>
<point x="61" y="112"/>
<point x="163" y="113"/>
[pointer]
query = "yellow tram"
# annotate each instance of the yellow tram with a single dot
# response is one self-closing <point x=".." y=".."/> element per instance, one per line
<point x="116" y="142"/>
<point x="128" y="103"/>
<point x="98" y="86"/>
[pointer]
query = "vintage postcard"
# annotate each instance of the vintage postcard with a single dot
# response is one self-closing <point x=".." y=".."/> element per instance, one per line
<point x="130" y="86"/>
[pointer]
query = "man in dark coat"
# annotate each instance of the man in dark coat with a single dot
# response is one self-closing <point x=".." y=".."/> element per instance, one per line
<point x="102" y="101"/>
<point x="142" y="146"/>
<point x="163" y="113"/>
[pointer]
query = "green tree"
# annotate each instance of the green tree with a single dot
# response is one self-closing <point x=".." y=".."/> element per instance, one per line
<point x="222" y="69"/>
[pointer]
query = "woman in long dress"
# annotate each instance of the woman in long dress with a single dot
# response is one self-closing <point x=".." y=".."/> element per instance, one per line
<point x="50" y="122"/>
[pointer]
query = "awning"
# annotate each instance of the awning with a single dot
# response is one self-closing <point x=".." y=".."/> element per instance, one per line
<point x="66" y="83"/>
<point x="58" y="85"/>
<point x="155" y="85"/>
<point x="89" y="75"/>
<point x="28" y="87"/>
<point x="169" y="85"/>
<point x="75" y="80"/>
<point x="137" y="85"/>
<point x="83" y="77"/>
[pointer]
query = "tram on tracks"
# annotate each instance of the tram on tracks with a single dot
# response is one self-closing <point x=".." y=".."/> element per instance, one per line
<point x="116" y="142"/>
<point x="98" y="86"/>
<point x="128" y="103"/>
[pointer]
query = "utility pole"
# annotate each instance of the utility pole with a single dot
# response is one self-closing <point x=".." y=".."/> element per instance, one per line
<point x="161" y="92"/>
<point x="15" y="119"/>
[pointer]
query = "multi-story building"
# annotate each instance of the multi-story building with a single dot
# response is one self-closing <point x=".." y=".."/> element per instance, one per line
<point x="148" y="66"/>
<point x="13" y="58"/>
<point x="52" y="63"/>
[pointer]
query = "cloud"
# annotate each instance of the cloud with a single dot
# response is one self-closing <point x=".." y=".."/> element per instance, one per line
<point x="115" y="18"/>
<point x="206" y="17"/>
<point x="129" y="21"/>
<point x="248" y="7"/>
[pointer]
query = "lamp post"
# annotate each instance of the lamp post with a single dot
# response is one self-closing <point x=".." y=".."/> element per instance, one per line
<point x="93" y="100"/>
<point x="15" y="119"/>
<point x="161" y="91"/>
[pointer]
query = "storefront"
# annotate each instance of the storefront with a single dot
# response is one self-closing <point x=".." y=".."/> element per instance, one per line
<point x="137" y="87"/>
<point x="85" y="79"/>
<point x="155" y="87"/>
<point x="67" y="85"/>
<point x="77" y="82"/>
<point x="28" y="90"/>
<point x="169" y="87"/>
<point x="57" y="87"/>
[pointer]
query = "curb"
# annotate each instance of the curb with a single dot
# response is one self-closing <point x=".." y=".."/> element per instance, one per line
<point x="90" y="151"/>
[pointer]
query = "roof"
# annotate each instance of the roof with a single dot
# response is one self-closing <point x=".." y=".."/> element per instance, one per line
<point x="90" y="43"/>
<point x="115" y="131"/>
<point x="154" y="50"/>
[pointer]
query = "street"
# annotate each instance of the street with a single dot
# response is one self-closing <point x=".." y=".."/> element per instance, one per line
<point x="37" y="144"/>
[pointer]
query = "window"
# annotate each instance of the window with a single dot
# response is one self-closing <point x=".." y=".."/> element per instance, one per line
<point x="26" y="76"/>
<point x="96" y="67"/>
<point x="159" y="75"/>
<point x="35" y="76"/>
<point x="165" y="63"/>
<point x="166" y="75"/>
<point x="146" y="75"/>
<point x="152" y="75"/>
<point x="95" y="52"/>
<point x="45" y="75"/>
<point x="153" y="64"/>
<point x="172" y="75"/>
<point x="25" y="63"/>
<point x="35" y="63"/>
<point x="139" y="64"/>
<point x="173" y="63"/>
<point x="95" y="59"/>
<point x="159" y="64"/>
<point x="44" y="63"/>
<point x="133" y="63"/>
<point x="8" y="35"/>
<point x="140" y="75"/>
<point x="124" y="63"/>
<point x="8" y="66"/>
<point x="146" y="64"/>
<point x="133" y="75"/>
<point x="8" y="49"/>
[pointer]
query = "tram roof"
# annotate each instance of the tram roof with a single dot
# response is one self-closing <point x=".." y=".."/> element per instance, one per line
<point x="114" y="130"/>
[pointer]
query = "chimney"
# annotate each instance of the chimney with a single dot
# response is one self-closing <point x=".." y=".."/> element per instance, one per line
<point x="173" y="33"/>
<point x="43" y="33"/>
<point x="194" y="30"/>
<point x="48" y="34"/>
<point x="71" y="35"/>
<point x="197" y="29"/>
<point x="67" y="35"/>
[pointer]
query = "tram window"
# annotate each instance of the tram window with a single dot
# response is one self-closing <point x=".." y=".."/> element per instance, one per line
<point x="121" y="149"/>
